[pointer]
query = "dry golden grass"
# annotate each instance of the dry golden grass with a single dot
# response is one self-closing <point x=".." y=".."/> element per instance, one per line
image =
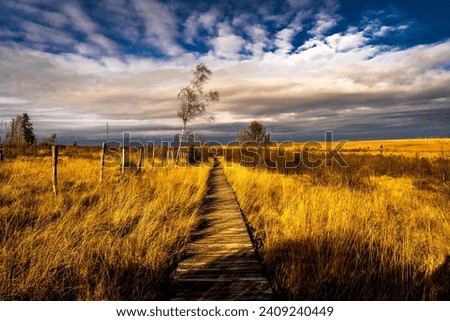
<point x="425" y="147"/>
<point x="332" y="242"/>
<point x="115" y="240"/>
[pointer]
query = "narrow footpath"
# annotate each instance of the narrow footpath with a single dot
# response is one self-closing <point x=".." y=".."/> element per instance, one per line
<point x="220" y="262"/>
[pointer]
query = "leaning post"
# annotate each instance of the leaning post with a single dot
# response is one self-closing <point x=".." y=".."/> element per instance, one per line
<point x="139" y="163"/>
<point x="102" y="161"/>
<point x="123" y="160"/>
<point x="55" y="169"/>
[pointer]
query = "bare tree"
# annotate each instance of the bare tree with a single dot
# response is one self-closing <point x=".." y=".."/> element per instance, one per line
<point x="193" y="101"/>
<point x="20" y="134"/>
<point x="256" y="132"/>
<point x="49" y="141"/>
<point x="3" y="130"/>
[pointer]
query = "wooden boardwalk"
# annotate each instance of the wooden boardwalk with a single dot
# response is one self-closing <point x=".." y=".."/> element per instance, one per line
<point x="220" y="263"/>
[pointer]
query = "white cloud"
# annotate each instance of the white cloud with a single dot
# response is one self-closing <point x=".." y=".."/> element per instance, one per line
<point x="160" y="26"/>
<point x="52" y="18"/>
<point x="103" y="42"/>
<point x="199" y="21"/>
<point x="37" y="33"/>
<point x="283" y="41"/>
<point x="375" y="28"/>
<point x="227" y="44"/>
<point x="4" y="32"/>
<point x="121" y="19"/>
<point x="79" y="20"/>
<point x="325" y="18"/>
<point x="96" y="42"/>
<point x="209" y="19"/>
<point x="191" y="28"/>
<point x="12" y="101"/>
<point x="259" y="40"/>
<point x="346" y="42"/>
<point x="296" y="4"/>
<point x="324" y="23"/>
<point x="384" y="30"/>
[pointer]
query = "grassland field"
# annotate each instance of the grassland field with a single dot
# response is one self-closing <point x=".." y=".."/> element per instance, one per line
<point x="377" y="230"/>
<point x="424" y="147"/>
<point x="115" y="240"/>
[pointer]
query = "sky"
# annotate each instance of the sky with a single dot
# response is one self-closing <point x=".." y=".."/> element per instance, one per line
<point x="363" y="69"/>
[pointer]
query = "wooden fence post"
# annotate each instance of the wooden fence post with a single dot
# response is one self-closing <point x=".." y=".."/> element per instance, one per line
<point x="55" y="169"/>
<point x="153" y="157"/>
<point x="102" y="162"/>
<point x="123" y="160"/>
<point x="139" y="163"/>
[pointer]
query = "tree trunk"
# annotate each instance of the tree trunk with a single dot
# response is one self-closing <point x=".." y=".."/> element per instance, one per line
<point x="180" y="138"/>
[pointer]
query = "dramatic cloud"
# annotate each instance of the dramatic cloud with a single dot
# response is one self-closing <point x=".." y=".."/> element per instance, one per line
<point x="301" y="68"/>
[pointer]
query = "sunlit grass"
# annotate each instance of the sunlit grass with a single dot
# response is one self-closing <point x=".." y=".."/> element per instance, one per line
<point x="115" y="240"/>
<point x="377" y="230"/>
<point x="333" y="242"/>
<point x="425" y="147"/>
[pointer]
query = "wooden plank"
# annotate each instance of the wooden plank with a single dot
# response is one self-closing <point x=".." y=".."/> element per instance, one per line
<point x="221" y="234"/>
<point x="220" y="263"/>
<point x="225" y="295"/>
<point x="220" y="292"/>
<point x="224" y="246"/>
<point x="225" y="285"/>
<point x="247" y="292"/>
<point x="223" y="288"/>
<point x="221" y="252"/>
<point x="246" y="269"/>
<point x="236" y="230"/>
<point x="196" y="262"/>
<point x="205" y="268"/>
<point x="220" y="277"/>
<point x="219" y="242"/>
